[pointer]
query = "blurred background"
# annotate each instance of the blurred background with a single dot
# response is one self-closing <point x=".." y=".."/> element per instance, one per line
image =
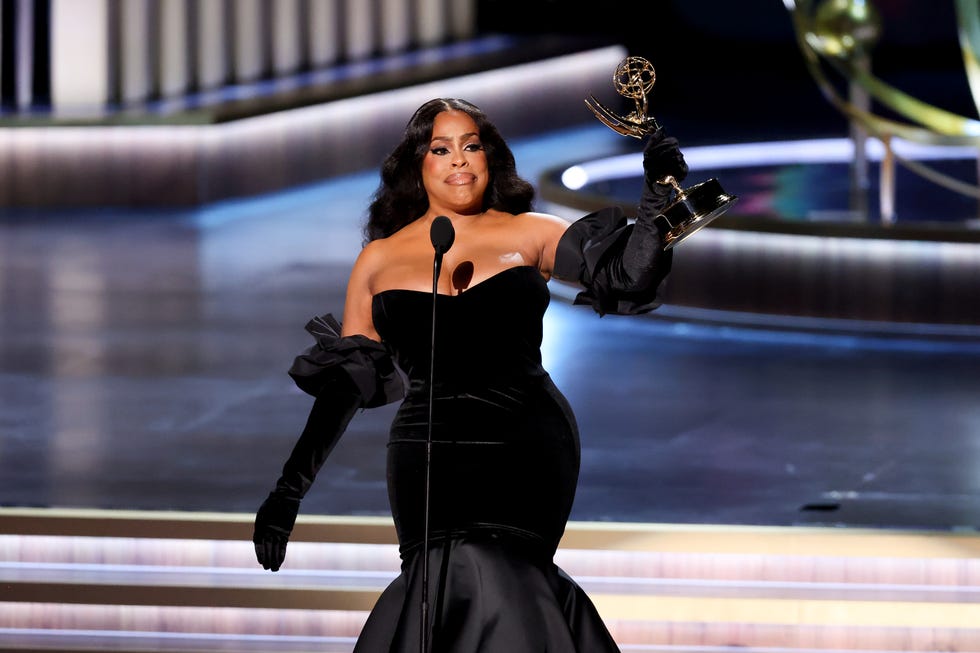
<point x="786" y="454"/>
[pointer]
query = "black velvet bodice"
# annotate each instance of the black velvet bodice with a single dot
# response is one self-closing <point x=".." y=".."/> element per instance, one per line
<point x="492" y="330"/>
<point x="505" y="451"/>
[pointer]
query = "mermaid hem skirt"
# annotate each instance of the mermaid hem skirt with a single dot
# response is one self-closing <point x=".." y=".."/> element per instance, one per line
<point x="484" y="597"/>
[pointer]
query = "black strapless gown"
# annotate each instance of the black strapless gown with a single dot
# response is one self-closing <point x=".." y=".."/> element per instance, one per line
<point x="504" y="466"/>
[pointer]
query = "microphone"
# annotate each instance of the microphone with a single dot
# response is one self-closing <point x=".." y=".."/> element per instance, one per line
<point x="442" y="235"/>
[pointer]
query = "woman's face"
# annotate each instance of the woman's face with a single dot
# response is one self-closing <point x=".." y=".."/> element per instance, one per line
<point x="454" y="170"/>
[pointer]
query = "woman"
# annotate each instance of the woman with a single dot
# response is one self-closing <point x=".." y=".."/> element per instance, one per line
<point x="504" y="452"/>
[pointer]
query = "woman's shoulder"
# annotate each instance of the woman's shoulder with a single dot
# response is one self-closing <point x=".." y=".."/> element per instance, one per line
<point x="381" y="251"/>
<point x="538" y="235"/>
<point x="534" y="219"/>
<point x="373" y="249"/>
<point x="547" y="226"/>
<point x="372" y="255"/>
<point x="379" y="246"/>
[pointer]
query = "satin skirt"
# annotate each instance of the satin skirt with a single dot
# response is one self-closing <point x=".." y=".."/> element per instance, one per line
<point x="487" y="594"/>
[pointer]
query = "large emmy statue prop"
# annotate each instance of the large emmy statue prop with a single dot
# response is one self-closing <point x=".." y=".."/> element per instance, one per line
<point x="692" y="208"/>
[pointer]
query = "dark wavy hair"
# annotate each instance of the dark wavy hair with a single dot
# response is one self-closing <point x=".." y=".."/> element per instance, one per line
<point x="401" y="197"/>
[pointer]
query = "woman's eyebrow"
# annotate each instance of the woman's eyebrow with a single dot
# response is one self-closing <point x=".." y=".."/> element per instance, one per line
<point x="449" y="138"/>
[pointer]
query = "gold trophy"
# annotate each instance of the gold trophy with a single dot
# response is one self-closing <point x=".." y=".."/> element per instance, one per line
<point x="692" y="208"/>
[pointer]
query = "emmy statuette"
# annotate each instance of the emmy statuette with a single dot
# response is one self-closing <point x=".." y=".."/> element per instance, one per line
<point x="692" y="208"/>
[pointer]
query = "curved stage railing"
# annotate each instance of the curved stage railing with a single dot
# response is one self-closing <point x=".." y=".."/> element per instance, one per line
<point x="800" y="247"/>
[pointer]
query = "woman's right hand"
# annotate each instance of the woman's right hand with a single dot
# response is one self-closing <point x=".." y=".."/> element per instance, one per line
<point x="274" y="523"/>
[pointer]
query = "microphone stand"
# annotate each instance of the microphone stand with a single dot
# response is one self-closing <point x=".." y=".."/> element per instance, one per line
<point x="436" y="265"/>
<point x="442" y="235"/>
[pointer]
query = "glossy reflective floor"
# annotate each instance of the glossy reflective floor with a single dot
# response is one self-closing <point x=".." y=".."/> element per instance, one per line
<point x="143" y="358"/>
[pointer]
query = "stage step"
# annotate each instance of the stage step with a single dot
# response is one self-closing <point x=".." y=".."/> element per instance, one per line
<point x="117" y="581"/>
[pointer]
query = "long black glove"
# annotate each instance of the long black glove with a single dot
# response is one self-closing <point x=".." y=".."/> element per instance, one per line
<point x="622" y="265"/>
<point x="332" y="411"/>
<point x="344" y="374"/>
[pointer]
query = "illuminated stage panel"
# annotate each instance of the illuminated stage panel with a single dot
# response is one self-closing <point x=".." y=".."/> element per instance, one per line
<point x="243" y="142"/>
<point x="659" y="587"/>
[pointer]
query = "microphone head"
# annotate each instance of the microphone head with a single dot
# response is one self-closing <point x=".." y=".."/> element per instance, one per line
<point x="442" y="234"/>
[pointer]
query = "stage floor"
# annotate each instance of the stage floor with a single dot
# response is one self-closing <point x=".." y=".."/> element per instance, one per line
<point x="143" y="358"/>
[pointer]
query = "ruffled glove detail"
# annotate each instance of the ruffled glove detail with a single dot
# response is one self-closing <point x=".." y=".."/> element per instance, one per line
<point x="367" y="362"/>
<point x="620" y="265"/>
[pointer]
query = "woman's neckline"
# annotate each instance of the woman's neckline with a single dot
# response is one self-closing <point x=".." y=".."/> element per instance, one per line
<point x="492" y="277"/>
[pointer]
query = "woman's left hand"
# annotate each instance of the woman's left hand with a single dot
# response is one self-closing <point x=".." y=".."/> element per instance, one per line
<point x="662" y="156"/>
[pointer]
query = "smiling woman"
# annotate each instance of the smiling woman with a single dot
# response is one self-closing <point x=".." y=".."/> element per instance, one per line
<point x="454" y="170"/>
<point x="483" y="454"/>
